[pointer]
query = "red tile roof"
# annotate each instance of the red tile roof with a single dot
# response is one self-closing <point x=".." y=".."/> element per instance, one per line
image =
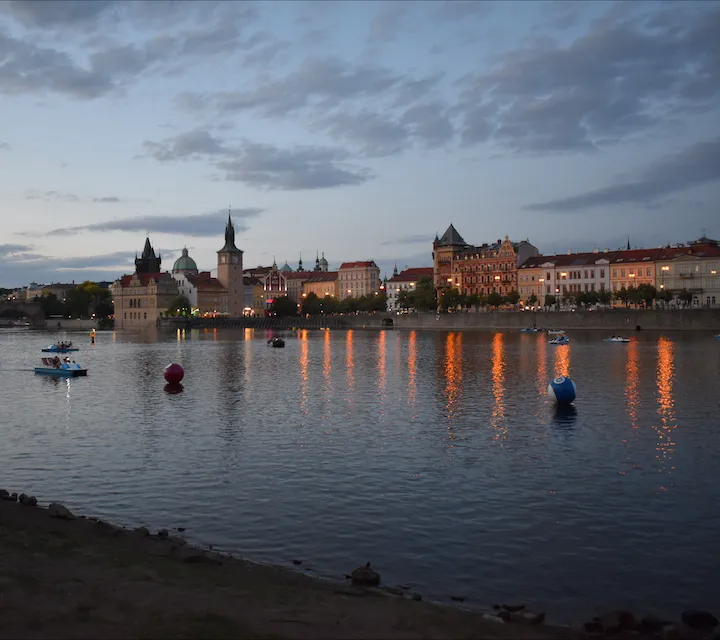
<point x="412" y="275"/>
<point x="252" y="281"/>
<point x="358" y="265"/>
<point x="635" y="255"/>
<point x="144" y="278"/>
<point x="568" y="260"/>
<point x="323" y="276"/>
<point x="204" y="282"/>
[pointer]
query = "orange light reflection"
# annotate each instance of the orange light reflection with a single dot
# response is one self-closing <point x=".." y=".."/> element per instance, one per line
<point x="632" y="394"/>
<point x="412" y="367"/>
<point x="562" y="360"/>
<point x="304" y="366"/>
<point x="498" y="374"/>
<point x="453" y="376"/>
<point x="327" y="359"/>
<point x="542" y="367"/>
<point x="382" y="362"/>
<point x="350" y="362"/>
<point x="666" y="403"/>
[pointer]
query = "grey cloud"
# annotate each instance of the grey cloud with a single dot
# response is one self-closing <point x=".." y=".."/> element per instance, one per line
<point x="411" y="239"/>
<point x="51" y="14"/>
<point x="462" y="10"/>
<point x="378" y="135"/>
<point x="12" y="249"/>
<point x="107" y="199"/>
<point x="206" y="224"/>
<point x="386" y="24"/>
<point x="50" y="196"/>
<point x="320" y="83"/>
<point x="4" y="146"/>
<point x="624" y="76"/>
<point x="697" y="165"/>
<point x="263" y="165"/>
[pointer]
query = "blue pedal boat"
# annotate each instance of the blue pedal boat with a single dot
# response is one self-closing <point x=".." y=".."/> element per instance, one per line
<point x="64" y="369"/>
<point x="60" y="348"/>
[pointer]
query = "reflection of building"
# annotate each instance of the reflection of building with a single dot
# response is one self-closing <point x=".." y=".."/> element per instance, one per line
<point x="357" y="279"/>
<point x="483" y="269"/>
<point x="404" y="281"/>
<point x="140" y="299"/>
<point x="560" y="274"/>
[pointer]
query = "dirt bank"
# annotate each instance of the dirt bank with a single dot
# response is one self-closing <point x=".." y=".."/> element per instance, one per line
<point x="80" y="578"/>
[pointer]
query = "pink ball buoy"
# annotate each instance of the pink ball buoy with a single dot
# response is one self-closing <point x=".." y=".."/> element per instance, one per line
<point x="174" y="373"/>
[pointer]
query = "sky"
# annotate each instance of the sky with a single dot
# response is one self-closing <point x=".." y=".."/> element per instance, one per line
<point x="356" y="129"/>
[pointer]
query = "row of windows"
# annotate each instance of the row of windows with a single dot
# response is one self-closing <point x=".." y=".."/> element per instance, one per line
<point x="507" y="266"/>
<point x="476" y="279"/>
<point x="567" y="275"/>
<point x="648" y="272"/>
<point x="135" y="303"/>
<point x="135" y="315"/>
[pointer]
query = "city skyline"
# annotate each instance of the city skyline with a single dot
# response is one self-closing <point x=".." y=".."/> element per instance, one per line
<point x="356" y="129"/>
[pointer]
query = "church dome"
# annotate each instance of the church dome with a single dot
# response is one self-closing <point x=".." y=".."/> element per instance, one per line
<point x="323" y="262"/>
<point x="286" y="268"/>
<point x="185" y="263"/>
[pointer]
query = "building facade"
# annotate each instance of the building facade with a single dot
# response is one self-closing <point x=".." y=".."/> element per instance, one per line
<point x="633" y="267"/>
<point x="322" y="284"/>
<point x="405" y="281"/>
<point x="357" y="279"/>
<point x="694" y="268"/>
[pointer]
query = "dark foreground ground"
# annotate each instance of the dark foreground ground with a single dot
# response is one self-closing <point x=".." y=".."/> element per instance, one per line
<point x="82" y="578"/>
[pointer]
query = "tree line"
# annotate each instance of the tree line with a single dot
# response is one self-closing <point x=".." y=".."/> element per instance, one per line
<point x="83" y="301"/>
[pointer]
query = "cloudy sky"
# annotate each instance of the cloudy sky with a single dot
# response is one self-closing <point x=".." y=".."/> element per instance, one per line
<point x="357" y="129"/>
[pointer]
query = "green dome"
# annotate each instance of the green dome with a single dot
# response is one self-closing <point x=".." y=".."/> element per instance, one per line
<point x="185" y="263"/>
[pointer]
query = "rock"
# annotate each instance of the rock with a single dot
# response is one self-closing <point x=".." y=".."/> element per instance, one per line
<point x="13" y="497"/>
<point x="394" y="591"/>
<point x="297" y="562"/>
<point x="365" y="576"/>
<point x="4" y="494"/>
<point x="699" y="620"/>
<point x="457" y="598"/>
<point x="513" y="607"/>
<point x="28" y="501"/>
<point x="416" y="597"/>
<point x="141" y="531"/>
<point x="57" y="510"/>
<point x="670" y="632"/>
<point x="491" y="617"/>
<point x="163" y="533"/>
<point x="106" y="529"/>
<point x="652" y="624"/>
<point x="615" y="621"/>
<point x="199" y="558"/>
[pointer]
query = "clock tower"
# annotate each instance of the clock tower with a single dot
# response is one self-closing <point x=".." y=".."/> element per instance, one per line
<point x="230" y="271"/>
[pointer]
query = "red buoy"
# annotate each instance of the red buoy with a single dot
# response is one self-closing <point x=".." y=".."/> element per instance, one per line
<point x="174" y="373"/>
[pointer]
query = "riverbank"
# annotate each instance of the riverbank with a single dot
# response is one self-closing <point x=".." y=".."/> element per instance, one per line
<point x="77" y="577"/>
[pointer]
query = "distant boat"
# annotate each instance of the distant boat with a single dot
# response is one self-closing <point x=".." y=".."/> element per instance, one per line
<point x="556" y="332"/>
<point x="276" y="342"/>
<point x="531" y="330"/>
<point x="60" y="347"/>
<point x="560" y="340"/>
<point x="616" y="339"/>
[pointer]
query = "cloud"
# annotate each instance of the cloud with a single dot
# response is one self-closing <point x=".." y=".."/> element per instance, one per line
<point x="107" y="199"/>
<point x="4" y="146"/>
<point x="51" y="196"/>
<point x="110" y="63"/>
<point x="264" y="165"/>
<point x="387" y="23"/>
<point x="205" y="224"/>
<point x="627" y="74"/>
<point x="318" y="83"/>
<point x="696" y="165"/>
<point x="420" y="238"/>
<point x="10" y="250"/>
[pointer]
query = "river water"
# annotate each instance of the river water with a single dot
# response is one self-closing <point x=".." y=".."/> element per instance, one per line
<point x="434" y="455"/>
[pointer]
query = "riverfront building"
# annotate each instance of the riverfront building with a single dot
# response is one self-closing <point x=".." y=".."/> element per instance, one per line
<point x="357" y="279"/>
<point x="483" y="269"/>
<point x="404" y="281"/>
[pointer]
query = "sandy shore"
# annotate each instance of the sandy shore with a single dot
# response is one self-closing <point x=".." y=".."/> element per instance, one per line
<point x="81" y="578"/>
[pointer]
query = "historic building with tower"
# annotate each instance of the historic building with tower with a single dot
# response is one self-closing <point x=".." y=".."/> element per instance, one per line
<point x="143" y="297"/>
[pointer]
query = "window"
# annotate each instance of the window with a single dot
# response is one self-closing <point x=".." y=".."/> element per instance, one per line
<point x="126" y="315"/>
<point x="547" y="276"/>
<point x="145" y="316"/>
<point x="586" y="275"/>
<point x="622" y="273"/>
<point x="614" y="273"/>
<point x="602" y="273"/>
<point x="648" y="272"/>
<point x="592" y="274"/>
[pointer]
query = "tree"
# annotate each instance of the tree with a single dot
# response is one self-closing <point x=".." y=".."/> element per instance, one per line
<point x="329" y="305"/>
<point x="647" y="293"/>
<point x="311" y="304"/>
<point x="284" y="306"/>
<point x="51" y="306"/>
<point x="532" y="300"/>
<point x="513" y="297"/>
<point x="665" y="295"/>
<point x="83" y="300"/>
<point x="622" y="296"/>
<point x="450" y="300"/>
<point x="550" y="300"/>
<point x="424" y="296"/>
<point x="403" y="299"/>
<point x="604" y="297"/>
<point x="494" y="300"/>
<point x="179" y="306"/>
<point x="474" y="300"/>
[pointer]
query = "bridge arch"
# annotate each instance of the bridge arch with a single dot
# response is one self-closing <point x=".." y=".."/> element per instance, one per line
<point x="32" y="311"/>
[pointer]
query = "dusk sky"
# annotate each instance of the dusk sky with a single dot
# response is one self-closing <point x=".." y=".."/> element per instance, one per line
<point x="356" y="129"/>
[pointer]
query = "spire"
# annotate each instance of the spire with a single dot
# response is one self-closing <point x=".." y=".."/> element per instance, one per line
<point x="229" y="237"/>
<point x="300" y="266"/>
<point x="395" y="271"/>
<point x="628" y="244"/>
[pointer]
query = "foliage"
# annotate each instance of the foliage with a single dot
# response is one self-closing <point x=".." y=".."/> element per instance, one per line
<point x="87" y="299"/>
<point x="424" y="296"/>
<point x="179" y="306"/>
<point x="11" y="312"/>
<point x="550" y="300"/>
<point x="284" y="306"/>
<point x="450" y="300"/>
<point x="494" y="300"/>
<point x="685" y="297"/>
<point x="622" y="295"/>
<point x="474" y="300"/>
<point x="604" y="297"/>
<point x="311" y="304"/>
<point x="532" y="300"/>
<point x="51" y="306"/>
<point x="513" y="297"/>
<point x="665" y="295"/>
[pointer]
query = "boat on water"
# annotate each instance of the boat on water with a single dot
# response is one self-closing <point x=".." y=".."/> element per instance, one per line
<point x="530" y="330"/>
<point x="560" y="340"/>
<point x="60" y="347"/>
<point x="556" y="332"/>
<point x="62" y="368"/>
<point x="616" y="339"/>
<point x="276" y="342"/>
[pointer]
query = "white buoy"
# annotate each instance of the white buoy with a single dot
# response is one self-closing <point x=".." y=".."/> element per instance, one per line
<point x="562" y="390"/>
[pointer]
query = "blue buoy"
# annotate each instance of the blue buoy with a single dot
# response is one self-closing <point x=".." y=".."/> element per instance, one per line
<point x="561" y="390"/>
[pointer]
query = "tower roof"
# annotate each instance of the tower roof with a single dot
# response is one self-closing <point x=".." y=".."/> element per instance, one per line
<point x="185" y="262"/>
<point x="451" y="237"/>
<point x="229" y="246"/>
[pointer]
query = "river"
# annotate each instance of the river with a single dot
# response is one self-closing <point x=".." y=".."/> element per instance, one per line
<point x="434" y="455"/>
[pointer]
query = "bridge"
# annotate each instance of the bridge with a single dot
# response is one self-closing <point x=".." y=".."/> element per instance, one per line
<point x="30" y="310"/>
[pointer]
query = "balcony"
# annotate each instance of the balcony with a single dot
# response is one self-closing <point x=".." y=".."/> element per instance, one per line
<point x="686" y="276"/>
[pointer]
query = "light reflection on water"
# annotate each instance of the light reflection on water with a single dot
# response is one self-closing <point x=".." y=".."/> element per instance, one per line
<point x="353" y="446"/>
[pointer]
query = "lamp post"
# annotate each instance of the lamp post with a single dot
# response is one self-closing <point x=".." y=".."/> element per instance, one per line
<point x="542" y="292"/>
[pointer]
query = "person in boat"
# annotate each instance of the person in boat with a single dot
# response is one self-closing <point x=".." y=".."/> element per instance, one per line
<point x="56" y="362"/>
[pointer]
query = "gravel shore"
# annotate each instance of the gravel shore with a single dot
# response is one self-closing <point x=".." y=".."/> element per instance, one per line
<point x="63" y="576"/>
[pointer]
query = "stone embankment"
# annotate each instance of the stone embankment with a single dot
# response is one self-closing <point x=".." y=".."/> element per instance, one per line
<point x="64" y="575"/>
